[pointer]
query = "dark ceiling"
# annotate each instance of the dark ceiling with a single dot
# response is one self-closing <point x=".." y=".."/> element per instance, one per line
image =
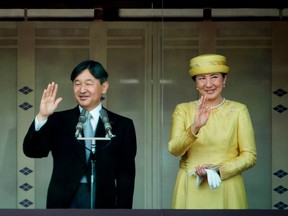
<point x="142" y="4"/>
<point x="110" y="8"/>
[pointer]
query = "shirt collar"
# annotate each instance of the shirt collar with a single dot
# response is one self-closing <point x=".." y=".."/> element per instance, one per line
<point x="94" y="112"/>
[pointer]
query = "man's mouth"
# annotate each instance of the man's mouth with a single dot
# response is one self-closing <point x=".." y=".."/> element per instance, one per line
<point x="83" y="97"/>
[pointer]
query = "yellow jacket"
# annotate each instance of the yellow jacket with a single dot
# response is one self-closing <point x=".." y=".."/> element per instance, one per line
<point x="227" y="139"/>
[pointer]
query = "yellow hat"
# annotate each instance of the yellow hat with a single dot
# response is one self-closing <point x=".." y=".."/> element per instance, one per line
<point x="208" y="63"/>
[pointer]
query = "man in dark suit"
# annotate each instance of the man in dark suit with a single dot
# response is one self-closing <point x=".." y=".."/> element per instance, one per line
<point x="70" y="184"/>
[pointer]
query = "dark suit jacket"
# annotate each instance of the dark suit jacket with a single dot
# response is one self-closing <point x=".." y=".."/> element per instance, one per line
<point x="115" y="160"/>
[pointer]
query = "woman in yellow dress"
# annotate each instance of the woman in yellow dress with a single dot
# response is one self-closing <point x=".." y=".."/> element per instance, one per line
<point x="215" y="139"/>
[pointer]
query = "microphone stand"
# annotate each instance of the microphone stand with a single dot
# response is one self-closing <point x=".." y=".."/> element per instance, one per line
<point x="93" y="165"/>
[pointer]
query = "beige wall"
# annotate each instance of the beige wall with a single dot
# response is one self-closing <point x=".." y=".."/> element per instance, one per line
<point x="148" y="65"/>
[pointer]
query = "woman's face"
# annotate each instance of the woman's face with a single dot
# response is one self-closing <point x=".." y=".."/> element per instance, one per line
<point x="211" y="85"/>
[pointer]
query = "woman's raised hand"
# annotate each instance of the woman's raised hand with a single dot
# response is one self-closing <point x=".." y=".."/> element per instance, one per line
<point x="201" y="115"/>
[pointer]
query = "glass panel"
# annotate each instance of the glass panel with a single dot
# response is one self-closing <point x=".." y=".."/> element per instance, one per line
<point x="8" y="138"/>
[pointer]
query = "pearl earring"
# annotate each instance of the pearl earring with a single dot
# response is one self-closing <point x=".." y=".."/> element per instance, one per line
<point x="197" y="89"/>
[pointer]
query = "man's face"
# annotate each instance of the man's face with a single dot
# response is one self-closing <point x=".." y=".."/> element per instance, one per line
<point x="88" y="90"/>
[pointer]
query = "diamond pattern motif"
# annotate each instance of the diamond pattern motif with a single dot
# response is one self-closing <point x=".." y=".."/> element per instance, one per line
<point x="280" y="189"/>
<point x="280" y="173"/>
<point x="25" y="90"/>
<point x="26" y="171"/>
<point x="280" y="205"/>
<point x="280" y="108"/>
<point x="26" y="203"/>
<point x="25" y="187"/>
<point x="25" y="106"/>
<point x="280" y="92"/>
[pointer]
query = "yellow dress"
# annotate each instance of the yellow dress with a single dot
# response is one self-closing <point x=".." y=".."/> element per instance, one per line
<point x="226" y="139"/>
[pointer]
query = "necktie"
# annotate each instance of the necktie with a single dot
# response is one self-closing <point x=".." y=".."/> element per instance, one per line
<point x="88" y="132"/>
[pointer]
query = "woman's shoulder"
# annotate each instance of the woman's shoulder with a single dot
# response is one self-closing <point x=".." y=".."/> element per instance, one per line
<point x="186" y="105"/>
<point x="237" y="104"/>
<point x="235" y="107"/>
<point x="193" y="104"/>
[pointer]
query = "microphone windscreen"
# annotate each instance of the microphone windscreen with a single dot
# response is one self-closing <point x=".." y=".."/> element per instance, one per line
<point x="82" y="117"/>
<point x="104" y="116"/>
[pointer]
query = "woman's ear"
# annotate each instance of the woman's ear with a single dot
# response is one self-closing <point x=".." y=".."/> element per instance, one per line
<point x="225" y="80"/>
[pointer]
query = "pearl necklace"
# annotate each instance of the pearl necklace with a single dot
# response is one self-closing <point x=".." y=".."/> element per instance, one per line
<point x="218" y="105"/>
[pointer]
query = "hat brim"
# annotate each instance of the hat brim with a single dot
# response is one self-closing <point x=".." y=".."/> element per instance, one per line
<point x="209" y="69"/>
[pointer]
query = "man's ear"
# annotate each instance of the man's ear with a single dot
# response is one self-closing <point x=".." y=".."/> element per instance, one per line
<point x="105" y="87"/>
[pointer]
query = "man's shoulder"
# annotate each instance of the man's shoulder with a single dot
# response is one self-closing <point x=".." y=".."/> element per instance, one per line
<point x="120" y="117"/>
<point x="67" y="112"/>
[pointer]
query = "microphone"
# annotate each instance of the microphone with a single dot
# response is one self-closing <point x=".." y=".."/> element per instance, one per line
<point x="81" y="121"/>
<point x="107" y="125"/>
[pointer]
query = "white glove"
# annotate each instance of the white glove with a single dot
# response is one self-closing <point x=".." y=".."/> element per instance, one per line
<point x="213" y="178"/>
<point x="199" y="179"/>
